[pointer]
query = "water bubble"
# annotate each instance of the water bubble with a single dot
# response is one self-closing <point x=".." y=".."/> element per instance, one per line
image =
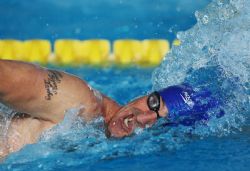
<point x="214" y="54"/>
<point x="219" y="46"/>
<point x="205" y="19"/>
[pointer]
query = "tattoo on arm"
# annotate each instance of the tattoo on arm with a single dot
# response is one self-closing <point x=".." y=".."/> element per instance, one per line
<point x="54" y="78"/>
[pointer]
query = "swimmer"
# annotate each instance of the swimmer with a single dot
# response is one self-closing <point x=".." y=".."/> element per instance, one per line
<point x="41" y="96"/>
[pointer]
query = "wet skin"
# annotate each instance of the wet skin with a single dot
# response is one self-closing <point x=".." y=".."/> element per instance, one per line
<point x="133" y="115"/>
<point x="44" y="96"/>
<point x="40" y="94"/>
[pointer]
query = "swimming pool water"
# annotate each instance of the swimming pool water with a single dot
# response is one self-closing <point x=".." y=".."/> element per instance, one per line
<point x="214" y="53"/>
<point x="80" y="146"/>
<point x="109" y="19"/>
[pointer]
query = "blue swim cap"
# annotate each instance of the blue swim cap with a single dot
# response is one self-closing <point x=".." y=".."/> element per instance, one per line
<point x="186" y="106"/>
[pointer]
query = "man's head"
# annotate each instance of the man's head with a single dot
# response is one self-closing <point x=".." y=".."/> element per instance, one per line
<point x="141" y="112"/>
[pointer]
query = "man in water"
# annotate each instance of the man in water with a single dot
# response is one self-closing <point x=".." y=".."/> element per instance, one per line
<point x="41" y="96"/>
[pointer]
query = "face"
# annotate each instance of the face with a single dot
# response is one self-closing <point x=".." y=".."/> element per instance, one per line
<point x="135" y="114"/>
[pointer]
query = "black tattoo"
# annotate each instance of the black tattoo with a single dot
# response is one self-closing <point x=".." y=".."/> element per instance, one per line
<point x="54" y="78"/>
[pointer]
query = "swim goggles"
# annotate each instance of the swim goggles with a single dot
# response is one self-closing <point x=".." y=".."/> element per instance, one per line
<point x="154" y="102"/>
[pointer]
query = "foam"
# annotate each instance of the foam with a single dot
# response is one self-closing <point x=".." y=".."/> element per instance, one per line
<point x="215" y="54"/>
<point x="217" y="46"/>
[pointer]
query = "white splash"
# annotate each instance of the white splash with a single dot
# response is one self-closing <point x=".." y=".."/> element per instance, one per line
<point x="215" y="53"/>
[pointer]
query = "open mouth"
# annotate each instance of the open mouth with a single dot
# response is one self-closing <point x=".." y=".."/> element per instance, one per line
<point x="124" y="125"/>
<point x="128" y="123"/>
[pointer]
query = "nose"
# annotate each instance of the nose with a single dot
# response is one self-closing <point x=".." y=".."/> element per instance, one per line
<point x="149" y="117"/>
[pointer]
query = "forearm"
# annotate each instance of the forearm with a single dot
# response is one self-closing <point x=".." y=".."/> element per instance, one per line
<point x="28" y="88"/>
<point x="47" y="94"/>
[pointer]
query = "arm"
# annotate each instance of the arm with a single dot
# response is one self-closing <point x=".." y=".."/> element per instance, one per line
<point x="46" y="94"/>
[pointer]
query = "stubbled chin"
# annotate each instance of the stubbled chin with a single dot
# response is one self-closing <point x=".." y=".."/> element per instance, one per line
<point x="120" y="130"/>
<point x="117" y="132"/>
<point x="118" y="135"/>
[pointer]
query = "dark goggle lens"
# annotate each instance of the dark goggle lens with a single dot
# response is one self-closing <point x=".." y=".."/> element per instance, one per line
<point x="154" y="102"/>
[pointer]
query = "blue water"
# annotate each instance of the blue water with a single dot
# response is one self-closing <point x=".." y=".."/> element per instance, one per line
<point x="214" y="54"/>
<point x="84" y="19"/>
<point x="80" y="146"/>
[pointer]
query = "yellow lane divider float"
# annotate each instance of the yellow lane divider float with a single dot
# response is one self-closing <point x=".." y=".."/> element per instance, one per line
<point x="97" y="52"/>
<point x="127" y="51"/>
<point x="11" y="49"/>
<point x="67" y="51"/>
<point x="153" y="52"/>
<point x="37" y="51"/>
